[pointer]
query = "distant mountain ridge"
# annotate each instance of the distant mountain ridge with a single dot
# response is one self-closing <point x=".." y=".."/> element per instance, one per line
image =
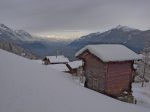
<point x="133" y="38"/>
<point x="35" y="45"/>
<point x="25" y="35"/>
<point x="9" y="41"/>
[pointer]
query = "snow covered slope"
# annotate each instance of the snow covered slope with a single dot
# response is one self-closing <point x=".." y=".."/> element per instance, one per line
<point x="142" y="94"/>
<point x="26" y="86"/>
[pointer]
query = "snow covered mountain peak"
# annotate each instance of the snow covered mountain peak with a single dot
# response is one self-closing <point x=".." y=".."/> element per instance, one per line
<point x="23" y="34"/>
<point x="4" y="27"/>
<point x="124" y="28"/>
<point x="9" y="34"/>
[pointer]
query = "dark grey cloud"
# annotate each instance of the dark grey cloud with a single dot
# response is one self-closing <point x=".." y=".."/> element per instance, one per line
<point x="37" y="16"/>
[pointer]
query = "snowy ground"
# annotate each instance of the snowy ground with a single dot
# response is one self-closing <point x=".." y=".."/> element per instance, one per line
<point x="142" y="94"/>
<point x="26" y="86"/>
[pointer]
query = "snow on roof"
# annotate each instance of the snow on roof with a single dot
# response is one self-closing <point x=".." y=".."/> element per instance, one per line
<point x="125" y="28"/>
<point x="58" y="59"/>
<point x="75" y="64"/>
<point x="59" y="67"/>
<point x="141" y="55"/>
<point x="111" y="52"/>
<point x="27" y="86"/>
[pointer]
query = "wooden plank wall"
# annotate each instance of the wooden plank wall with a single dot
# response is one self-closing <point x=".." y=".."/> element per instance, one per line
<point x="119" y="77"/>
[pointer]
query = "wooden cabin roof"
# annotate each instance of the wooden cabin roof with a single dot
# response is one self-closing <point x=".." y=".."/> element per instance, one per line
<point x="58" y="59"/>
<point x="75" y="64"/>
<point x="110" y="52"/>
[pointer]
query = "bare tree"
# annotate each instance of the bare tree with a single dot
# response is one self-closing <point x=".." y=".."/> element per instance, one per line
<point x="145" y="61"/>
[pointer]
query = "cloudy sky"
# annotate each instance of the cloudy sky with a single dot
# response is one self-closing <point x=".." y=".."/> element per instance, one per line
<point x="73" y="17"/>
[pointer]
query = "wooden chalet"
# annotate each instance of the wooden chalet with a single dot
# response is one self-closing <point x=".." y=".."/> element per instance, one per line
<point x="60" y="59"/>
<point x="108" y="68"/>
<point x="74" y="66"/>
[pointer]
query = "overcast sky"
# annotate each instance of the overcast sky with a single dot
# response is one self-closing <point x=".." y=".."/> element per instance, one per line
<point x="73" y="16"/>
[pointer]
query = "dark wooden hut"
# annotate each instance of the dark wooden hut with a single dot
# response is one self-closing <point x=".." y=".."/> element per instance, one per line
<point x="108" y="68"/>
<point x="46" y="61"/>
<point x="74" y="66"/>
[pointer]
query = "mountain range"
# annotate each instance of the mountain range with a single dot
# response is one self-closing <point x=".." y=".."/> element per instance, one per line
<point x="10" y="39"/>
<point x="132" y="38"/>
<point x="24" y="42"/>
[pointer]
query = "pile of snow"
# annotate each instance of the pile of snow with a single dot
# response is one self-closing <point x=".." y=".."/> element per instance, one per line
<point x="135" y="66"/>
<point x="38" y="61"/>
<point x="142" y="94"/>
<point x="59" y="67"/>
<point x="58" y="59"/>
<point x="111" y="52"/>
<point x="26" y="86"/>
<point x="75" y="64"/>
